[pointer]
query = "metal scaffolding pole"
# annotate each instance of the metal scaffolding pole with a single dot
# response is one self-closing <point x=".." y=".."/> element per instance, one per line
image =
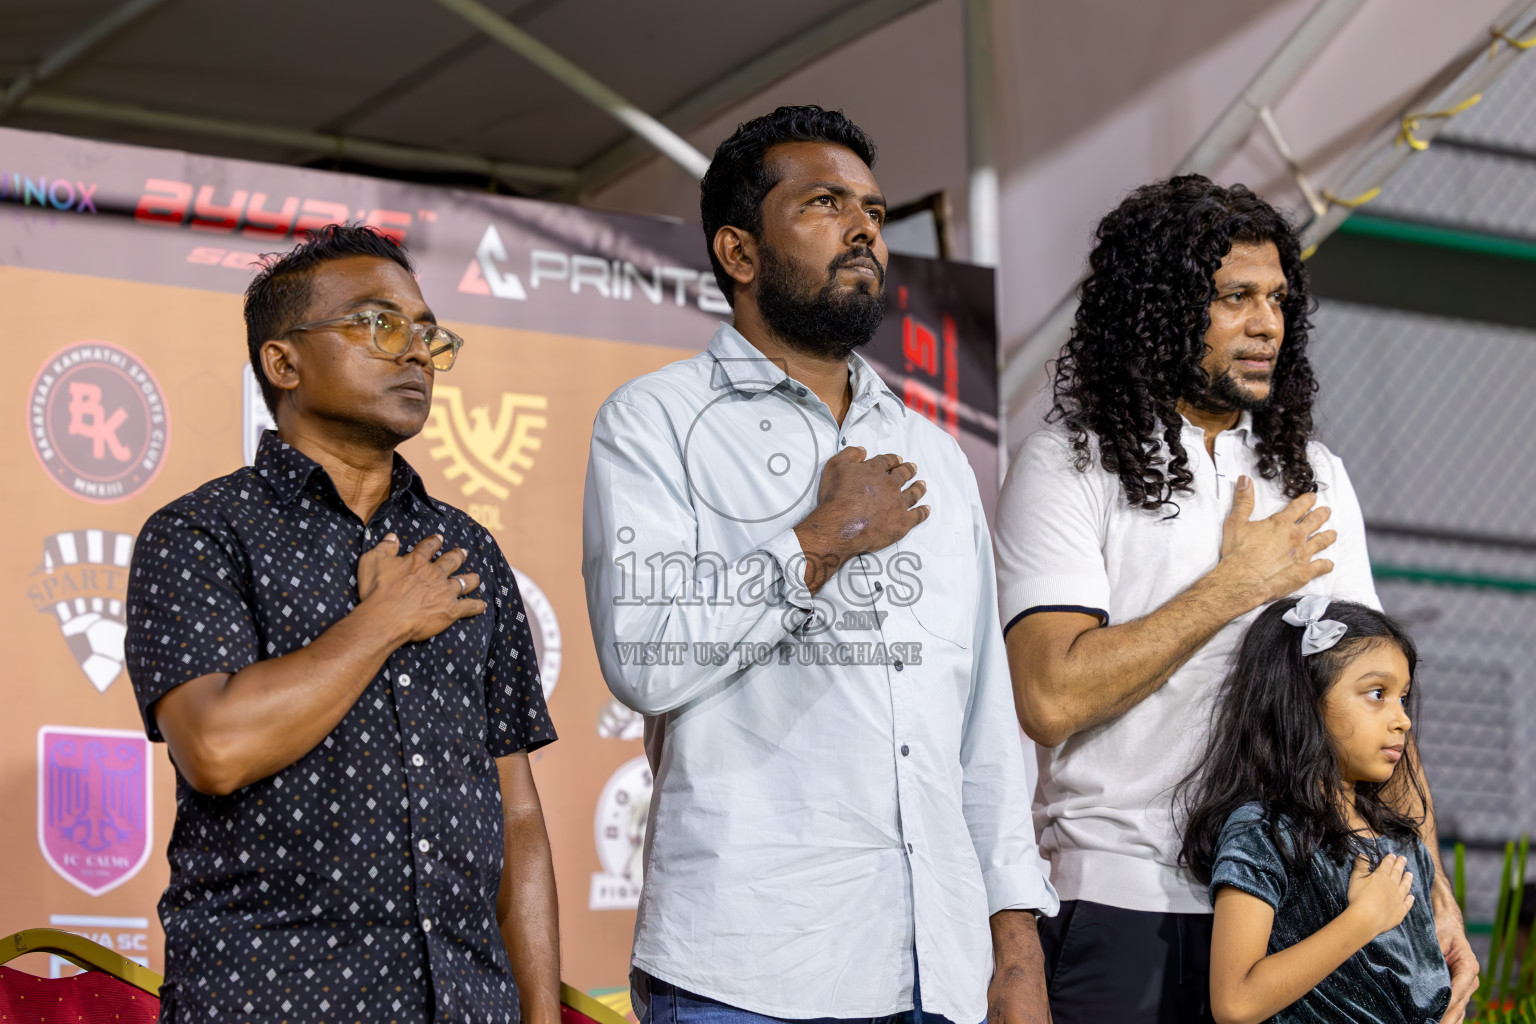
<point x="674" y="146"/>
<point x="336" y="145"/>
<point x="745" y="81"/>
<point x="1413" y="132"/>
<point x="108" y="25"/>
<point x="1220" y="141"/>
<point x="983" y="197"/>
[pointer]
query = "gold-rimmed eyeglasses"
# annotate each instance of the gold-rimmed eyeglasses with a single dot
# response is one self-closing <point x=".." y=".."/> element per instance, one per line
<point x="393" y="334"/>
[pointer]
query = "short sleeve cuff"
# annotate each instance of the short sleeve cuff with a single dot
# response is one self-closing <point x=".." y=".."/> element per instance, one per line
<point x="1247" y="878"/>
<point x="1020" y="887"/>
<point x="1085" y="593"/>
<point x="504" y="745"/>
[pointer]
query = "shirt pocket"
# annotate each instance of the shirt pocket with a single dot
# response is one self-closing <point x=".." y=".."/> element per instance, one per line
<point x="939" y="566"/>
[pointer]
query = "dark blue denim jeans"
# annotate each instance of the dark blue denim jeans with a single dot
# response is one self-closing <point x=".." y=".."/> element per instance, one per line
<point x="672" y="1005"/>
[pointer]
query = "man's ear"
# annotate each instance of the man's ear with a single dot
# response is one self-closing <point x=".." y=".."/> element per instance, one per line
<point x="737" y="252"/>
<point x="280" y="362"/>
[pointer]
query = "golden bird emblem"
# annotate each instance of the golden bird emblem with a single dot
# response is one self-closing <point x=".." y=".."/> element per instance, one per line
<point x="485" y="453"/>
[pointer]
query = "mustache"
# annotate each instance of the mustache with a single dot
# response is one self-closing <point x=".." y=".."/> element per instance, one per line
<point x="854" y="255"/>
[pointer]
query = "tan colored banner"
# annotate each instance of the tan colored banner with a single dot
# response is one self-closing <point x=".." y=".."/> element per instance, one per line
<point x="129" y="387"/>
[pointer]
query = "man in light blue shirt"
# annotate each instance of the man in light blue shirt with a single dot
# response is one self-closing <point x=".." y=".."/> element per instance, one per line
<point x="840" y="826"/>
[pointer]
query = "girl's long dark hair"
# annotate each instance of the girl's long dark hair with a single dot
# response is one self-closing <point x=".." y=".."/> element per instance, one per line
<point x="1139" y="337"/>
<point x="1269" y="743"/>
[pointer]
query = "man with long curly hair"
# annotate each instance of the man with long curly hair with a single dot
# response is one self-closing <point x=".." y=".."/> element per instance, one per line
<point x="1176" y="490"/>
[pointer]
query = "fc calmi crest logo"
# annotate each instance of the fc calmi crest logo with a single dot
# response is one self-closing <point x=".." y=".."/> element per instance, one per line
<point x="485" y="453"/>
<point x="95" y="809"/>
<point x="83" y="583"/>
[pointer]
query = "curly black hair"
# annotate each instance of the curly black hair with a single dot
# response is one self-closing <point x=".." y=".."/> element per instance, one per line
<point x="738" y="178"/>
<point x="1139" y="337"/>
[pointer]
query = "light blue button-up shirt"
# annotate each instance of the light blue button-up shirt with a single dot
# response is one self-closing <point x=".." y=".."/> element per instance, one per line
<point x="838" y="779"/>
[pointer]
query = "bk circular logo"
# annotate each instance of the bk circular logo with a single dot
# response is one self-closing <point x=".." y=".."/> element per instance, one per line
<point x="98" y="421"/>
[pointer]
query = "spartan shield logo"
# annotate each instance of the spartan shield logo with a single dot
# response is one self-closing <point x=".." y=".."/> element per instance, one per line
<point x="83" y="583"/>
<point x="94" y="807"/>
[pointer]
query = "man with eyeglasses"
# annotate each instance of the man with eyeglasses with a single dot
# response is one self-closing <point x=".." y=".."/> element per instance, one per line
<point x="342" y="670"/>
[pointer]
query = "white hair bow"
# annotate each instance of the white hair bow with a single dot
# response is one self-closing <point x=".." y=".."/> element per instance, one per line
<point x="1318" y="633"/>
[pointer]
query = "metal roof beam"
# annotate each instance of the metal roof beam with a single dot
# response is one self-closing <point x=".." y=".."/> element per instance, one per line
<point x="340" y="146"/>
<point x="746" y="81"/>
<point x="672" y="145"/>
<point x="76" y="47"/>
<point x="1412" y="132"/>
<point x="1219" y="142"/>
<point x="1273" y="81"/>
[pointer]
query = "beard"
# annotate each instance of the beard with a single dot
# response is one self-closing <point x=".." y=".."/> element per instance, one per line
<point x="1225" y="394"/>
<point x="830" y="322"/>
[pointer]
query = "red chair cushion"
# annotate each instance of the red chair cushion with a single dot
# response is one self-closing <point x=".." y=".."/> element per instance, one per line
<point x="92" y="997"/>
<point x="568" y="1015"/>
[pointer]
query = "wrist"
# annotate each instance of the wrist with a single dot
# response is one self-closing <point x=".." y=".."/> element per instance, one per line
<point x="1015" y="940"/>
<point x="1360" y="927"/>
<point x="542" y="1011"/>
<point x="1442" y="899"/>
<point x="1236" y="585"/>
<point x="823" y="549"/>
<point x="377" y="626"/>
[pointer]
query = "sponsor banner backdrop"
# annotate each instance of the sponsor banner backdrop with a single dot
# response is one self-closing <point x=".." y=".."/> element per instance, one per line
<point x="122" y="268"/>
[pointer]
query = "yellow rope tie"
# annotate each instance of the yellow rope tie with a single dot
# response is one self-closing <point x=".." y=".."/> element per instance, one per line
<point x="1411" y="122"/>
<point x="1355" y="203"/>
<point x="1499" y="35"/>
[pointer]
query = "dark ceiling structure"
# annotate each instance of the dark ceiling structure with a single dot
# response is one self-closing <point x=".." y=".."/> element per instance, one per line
<point x="457" y="92"/>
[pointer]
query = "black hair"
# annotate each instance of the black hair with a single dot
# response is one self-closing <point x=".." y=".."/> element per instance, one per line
<point x="1269" y="743"/>
<point x="738" y="178"/>
<point x="279" y="296"/>
<point x="1139" y="337"/>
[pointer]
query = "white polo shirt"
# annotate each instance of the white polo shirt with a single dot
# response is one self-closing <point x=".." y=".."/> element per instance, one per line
<point x="1068" y="541"/>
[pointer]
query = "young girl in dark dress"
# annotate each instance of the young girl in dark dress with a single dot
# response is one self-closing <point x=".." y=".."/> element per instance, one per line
<point x="1300" y="822"/>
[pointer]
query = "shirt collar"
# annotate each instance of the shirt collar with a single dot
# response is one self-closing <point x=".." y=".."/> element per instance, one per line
<point x="740" y="365"/>
<point x="1243" y="426"/>
<point x="287" y="470"/>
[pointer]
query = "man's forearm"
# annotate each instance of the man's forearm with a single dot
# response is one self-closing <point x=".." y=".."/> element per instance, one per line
<point x="530" y="918"/>
<point x="225" y="732"/>
<point x="1064" y="687"/>
<point x="1443" y="892"/>
<point x="1017" y="992"/>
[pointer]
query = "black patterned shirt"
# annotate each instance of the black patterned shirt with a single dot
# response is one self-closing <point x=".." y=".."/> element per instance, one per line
<point x="360" y="882"/>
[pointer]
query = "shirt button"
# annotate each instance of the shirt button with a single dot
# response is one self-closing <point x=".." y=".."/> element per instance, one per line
<point x="800" y="392"/>
<point x="426" y="922"/>
<point x="878" y="587"/>
<point x="897" y="664"/>
<point x="424" y="846"/>
<point x="909" y="847"/>
<point x="904" y="752"/>
<point x="418" y="760"/>
<point x="403" y="679"/>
